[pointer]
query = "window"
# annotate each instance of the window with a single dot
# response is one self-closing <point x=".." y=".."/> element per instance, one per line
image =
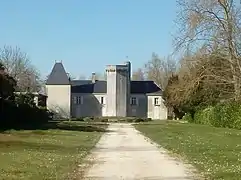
<point x="156" y="101"/>
<point x="75" y="100"/>
<point x="133" y="101"/>
<point x="78" y="100"/>
<point x="102" y="100"/>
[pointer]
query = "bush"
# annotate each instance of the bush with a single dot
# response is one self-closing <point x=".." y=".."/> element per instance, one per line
<point x="88" y="119"/>
<point x="204" y="116"/>
<point x="15" y="116"/>
<point x="104" y="120"/>
<point x="188" y="117"/>
<point x="112" y="119"/>
<point x="76" y="119"/>
<point x="18" y="110"/>
<point x="227" y="115"/>
<point x="136" y="119"/>
<point x="95" y="119"/>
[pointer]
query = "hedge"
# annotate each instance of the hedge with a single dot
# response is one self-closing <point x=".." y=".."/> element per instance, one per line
<point x="187" y="117"/>
<point x="15" y="116"/>
<point x="112" y="119"/>
<point x="227" y="115"/>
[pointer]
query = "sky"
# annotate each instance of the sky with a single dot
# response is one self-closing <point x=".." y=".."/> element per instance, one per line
<point x="86" y="35"/>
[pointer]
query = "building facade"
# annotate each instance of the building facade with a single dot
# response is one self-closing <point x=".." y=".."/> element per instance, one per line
<point x="118" y="96"/>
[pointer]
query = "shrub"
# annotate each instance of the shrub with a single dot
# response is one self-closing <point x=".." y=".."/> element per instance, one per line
<point x="135" y="119"/>
<point x="101" y="119"/>
<point x="227" y="115"/>
<point x="22" y="115"/>
<point x="204" y="116"/>
<point x="140" y="120"/>
<point x="112" y="119"/>
<point x="104" y="120"/>
<point x="87" y="118"/>
<point x="76" y="119"/>
<point x="188" y="117"/>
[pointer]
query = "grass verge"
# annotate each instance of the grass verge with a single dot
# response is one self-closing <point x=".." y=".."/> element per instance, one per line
<point x="216" y="152"/>
<point x="52" y="153"/>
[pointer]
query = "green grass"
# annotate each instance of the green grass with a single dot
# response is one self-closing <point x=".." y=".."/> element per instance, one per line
<point x="53" y="153"/>
<point x="215" y="152"/>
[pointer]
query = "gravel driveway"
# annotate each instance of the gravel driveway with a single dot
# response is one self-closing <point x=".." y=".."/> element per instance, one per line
<point x="125" y="154"/>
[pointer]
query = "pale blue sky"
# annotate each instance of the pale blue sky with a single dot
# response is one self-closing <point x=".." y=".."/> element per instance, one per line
<point x="88" y="34"/>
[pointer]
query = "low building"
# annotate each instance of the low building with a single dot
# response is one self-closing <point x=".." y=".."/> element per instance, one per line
<point x="40" y="98"/>
<point x="117" y="96"/>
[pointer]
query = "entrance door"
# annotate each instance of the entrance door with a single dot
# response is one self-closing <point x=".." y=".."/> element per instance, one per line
<point x="77" y="111"/>
<point x="156" y="112"/>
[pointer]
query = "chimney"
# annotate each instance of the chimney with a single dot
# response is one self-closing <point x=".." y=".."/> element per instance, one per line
<point x="93" y="77"/>
<point x="128" y="64"/>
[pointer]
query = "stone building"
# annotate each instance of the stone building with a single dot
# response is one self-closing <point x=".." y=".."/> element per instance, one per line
<point x="117" y="96"/>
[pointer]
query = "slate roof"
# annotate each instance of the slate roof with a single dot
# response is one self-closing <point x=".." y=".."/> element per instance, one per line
<point x="137" y="87"/>
<point x="58" y="75"/>
<point x="86" y="86"/>
<point x="144" y="87"/>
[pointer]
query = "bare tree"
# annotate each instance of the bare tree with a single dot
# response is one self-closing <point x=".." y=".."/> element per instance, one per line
<point x="138" y="75"/>
<point x="18" y="66"/>
<point x="216" y="27"/>
<point x="160" y="69"/>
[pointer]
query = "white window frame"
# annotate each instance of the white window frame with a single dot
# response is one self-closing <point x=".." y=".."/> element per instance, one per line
<point x="156" y="101"/>
<point x="75" y="99"/>
<point x="134" y="99"/>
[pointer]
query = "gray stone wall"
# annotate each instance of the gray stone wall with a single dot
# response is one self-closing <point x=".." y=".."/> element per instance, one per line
<point x="128" y="64"/>
<point x="121" y="91"/>
<point x="117" y="90"/>
<point x="118" y="100"/>
<point x="156" y="111"/>
<point x="86" y="105"/>
<point x="139" y="110"/>
<point x="111" y="91"/>
<point x="59" y="100"/>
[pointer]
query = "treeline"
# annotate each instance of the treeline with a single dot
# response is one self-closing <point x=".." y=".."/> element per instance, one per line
<point x="204" y="84"/>
<point x="18" y="110"/>
<point x="205" y="92"/>
<point x="207" y="84"/>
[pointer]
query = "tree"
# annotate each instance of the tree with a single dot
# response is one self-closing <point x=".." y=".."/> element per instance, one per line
<point x="213" y="26"/>
<point x="138" y="75"/>
<point x="18" y="66"/>
<point x="7" y="84"/>
<point x="160" y="69"/>
<point x="196" y="85"/>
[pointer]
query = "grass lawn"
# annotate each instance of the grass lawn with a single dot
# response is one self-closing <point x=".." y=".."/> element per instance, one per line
<point x="53" y="153"/>
<point x="216" y="152"/>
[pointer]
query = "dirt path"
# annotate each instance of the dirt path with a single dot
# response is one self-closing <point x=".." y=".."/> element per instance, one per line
<point x="125" y="154"/>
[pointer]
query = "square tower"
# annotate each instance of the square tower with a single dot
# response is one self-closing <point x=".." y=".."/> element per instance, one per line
<point x="117" y="90"/>
<point x="59" y="91"/>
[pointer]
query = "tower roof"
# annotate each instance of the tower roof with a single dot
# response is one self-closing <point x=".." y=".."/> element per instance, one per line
<point x="58" y="75"/>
